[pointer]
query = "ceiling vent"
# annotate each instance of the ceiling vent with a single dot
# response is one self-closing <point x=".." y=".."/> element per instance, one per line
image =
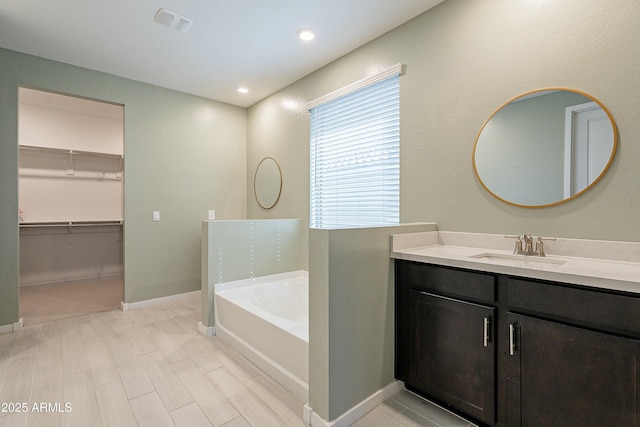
<point x="173" y="20"/>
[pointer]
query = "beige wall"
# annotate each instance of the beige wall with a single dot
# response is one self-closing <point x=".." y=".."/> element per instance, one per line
<point x="464" y="59"/>
<point x="183" y="156"/>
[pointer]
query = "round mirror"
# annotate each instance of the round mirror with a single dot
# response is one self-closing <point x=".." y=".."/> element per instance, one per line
<point x="545" y="147"/>
<point x="267" y="183"/>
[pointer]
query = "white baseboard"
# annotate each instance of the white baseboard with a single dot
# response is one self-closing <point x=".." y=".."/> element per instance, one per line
<point x="355" y="413"/>
<point x="155" y="301"/>
<point x="207" y="331"/>
<point x="12" y="327"/>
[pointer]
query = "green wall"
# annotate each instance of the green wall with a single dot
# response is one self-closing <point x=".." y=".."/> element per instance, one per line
<point x="351" y="315"/>
<point x="464" y="59"/>
<point x="184" y="155"/>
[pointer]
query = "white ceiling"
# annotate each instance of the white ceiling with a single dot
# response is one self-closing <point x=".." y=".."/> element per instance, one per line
<point x="232" y="43"/>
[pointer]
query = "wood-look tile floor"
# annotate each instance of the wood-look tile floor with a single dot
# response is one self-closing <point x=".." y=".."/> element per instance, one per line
<point x="55" y="301"/>
<point x="408" y="410"/>
<point x="149" y="367"/>
<point x="144" y="367"/>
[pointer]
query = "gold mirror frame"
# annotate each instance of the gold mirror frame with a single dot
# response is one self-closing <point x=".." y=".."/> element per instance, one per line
<point x="534" y="93"/>
<point x="267" y="183"/>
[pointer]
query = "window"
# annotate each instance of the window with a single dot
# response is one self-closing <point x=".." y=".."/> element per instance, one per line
<point x="355" y="156"/>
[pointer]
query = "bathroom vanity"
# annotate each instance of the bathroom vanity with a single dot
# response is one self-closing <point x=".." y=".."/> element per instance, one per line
<point x="519" y="341"/>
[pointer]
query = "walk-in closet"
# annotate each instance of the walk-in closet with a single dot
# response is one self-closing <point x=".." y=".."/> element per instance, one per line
<point x="71" y="185"/>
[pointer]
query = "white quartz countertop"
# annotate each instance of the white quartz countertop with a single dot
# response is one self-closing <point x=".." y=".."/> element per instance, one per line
<point x="600" y="273"/>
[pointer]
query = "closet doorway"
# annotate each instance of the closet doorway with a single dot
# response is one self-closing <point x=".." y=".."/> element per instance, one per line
<point x="71" y="182"/>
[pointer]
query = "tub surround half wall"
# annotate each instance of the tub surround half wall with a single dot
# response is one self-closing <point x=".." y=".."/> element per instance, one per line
<point x="235" y="250"/>
<point x="351" y="303"/>
<point x="351" y="312"/>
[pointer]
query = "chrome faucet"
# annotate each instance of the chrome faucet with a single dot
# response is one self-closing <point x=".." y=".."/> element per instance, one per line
<point x="527" y="240"/>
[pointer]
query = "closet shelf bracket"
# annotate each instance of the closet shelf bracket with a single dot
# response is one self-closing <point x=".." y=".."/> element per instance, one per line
<point x="70" y="170"/>
<point x="120" y="168"/>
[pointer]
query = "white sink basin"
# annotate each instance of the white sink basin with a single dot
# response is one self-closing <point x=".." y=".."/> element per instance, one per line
<point x="493" y="256"/>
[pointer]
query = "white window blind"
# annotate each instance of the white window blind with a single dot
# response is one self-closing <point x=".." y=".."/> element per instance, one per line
<point x="355" y="158"/>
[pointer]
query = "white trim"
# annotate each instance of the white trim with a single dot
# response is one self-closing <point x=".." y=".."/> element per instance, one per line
<point x="569" y="144"/>
<point x="155" y="301"/>
<point x="355" y="413"/>
<point x="12" y="327"/>
<point x="306" y="413"/>
<point x="392" y="71"/>
<point x="207" y="331"/>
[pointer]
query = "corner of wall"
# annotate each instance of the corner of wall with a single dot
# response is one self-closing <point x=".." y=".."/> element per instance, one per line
<point x="351" y="317"/>
<point x="206" y="296"/>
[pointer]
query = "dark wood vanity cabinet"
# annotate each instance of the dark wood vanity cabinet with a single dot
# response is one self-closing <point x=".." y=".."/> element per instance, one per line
<point x="454" y="353"/>
<point x="508" y="351"/>
<point x="560" y="375"/>
<point x="574" y="356"/>
<point x="446" y="340"/>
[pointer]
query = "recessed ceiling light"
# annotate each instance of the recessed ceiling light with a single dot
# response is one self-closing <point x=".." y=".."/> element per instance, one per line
<point x="243" y="90"/>
<point x="290" y="104"/>
<point x="306" y="34"/>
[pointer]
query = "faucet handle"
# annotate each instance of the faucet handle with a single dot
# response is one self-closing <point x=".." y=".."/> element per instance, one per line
<point x="540" y="245"/>
<point x="518" y="247"/>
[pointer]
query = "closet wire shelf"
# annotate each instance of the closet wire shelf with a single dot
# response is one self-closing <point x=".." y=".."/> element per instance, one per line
<point x="72" y="224"/>
<point x="71" y="153"/>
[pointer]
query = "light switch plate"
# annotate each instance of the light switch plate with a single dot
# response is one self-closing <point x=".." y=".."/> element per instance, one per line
<point x="156" y="215"/>
<point x="212" y="214"/>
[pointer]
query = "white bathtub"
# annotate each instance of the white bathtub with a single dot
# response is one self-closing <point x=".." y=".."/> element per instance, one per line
<point x="267" y="320"/>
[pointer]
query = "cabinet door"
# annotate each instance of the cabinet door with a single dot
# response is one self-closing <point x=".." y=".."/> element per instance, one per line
<point x="562" y="375"/>
<point x="454" y="353"/>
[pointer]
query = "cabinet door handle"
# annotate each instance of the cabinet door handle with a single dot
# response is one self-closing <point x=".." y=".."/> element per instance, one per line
<point x="512" y="341"/>
<point x="486" y="332"/>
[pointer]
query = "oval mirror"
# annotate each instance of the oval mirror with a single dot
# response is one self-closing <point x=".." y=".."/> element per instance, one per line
<point x="545" y="147"/>
<point x="267" y="183"/>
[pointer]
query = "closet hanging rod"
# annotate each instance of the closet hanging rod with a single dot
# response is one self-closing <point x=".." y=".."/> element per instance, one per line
<point x="70" y="151"/>
<point x="71" y="224"/>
